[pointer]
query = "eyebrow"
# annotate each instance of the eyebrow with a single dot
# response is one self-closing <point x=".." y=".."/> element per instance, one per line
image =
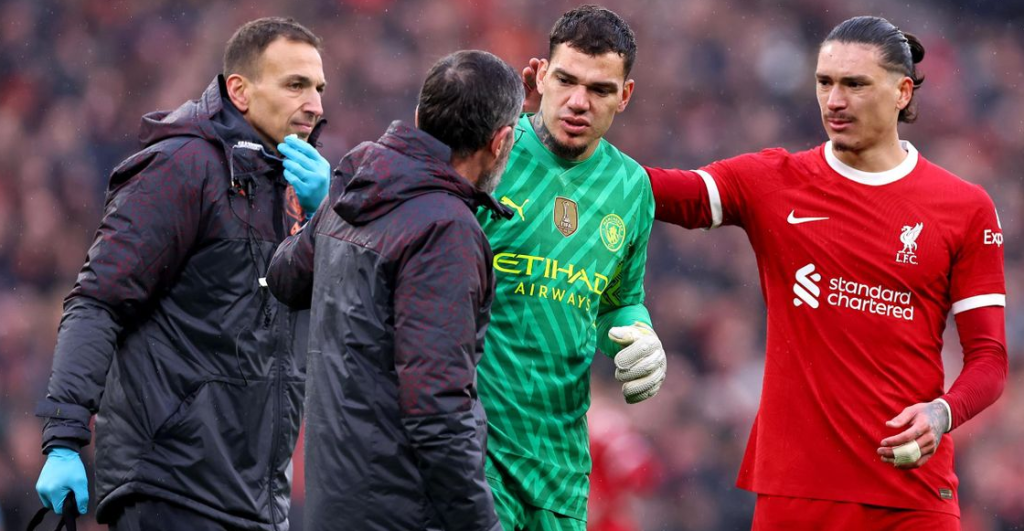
<point x="846" y="79"/>
<point x="304" y="80"/>
<point x="609" y="86"/>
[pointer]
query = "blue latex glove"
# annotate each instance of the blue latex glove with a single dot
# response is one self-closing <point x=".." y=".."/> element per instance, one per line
<point x="306" y="171"/>
<point x="63" y="473"/>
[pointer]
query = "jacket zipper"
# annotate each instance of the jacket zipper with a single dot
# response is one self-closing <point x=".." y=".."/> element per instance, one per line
<point x="276" y="434"/>
<point x="279" y="233"/>
<point x="277" y="368"/>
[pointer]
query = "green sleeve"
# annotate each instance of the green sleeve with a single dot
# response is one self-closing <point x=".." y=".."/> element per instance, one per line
<point x="622" y="304"/>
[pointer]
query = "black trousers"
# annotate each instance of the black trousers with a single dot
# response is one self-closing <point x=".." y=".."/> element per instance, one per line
<point x="147" y="514"/>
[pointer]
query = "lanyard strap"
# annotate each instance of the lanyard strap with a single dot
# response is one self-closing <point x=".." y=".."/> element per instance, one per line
<point x="67" y="520"/>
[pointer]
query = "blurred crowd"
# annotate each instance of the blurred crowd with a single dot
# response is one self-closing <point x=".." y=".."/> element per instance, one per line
<point x="714" y="78"/>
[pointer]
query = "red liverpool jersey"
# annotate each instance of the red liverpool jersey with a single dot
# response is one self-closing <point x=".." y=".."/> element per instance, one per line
<point x="859" y="272"/>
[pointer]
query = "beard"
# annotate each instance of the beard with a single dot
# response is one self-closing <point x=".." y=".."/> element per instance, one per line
<point x="560" y="150"/>
<point x="842" y="146"/>
<point x="565" y="151"/>
<point x="855" y="146"/>
<point x="489" y="180"/>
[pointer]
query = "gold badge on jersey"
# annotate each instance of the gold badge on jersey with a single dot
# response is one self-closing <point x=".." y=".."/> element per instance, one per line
<point x="566" y="216"/>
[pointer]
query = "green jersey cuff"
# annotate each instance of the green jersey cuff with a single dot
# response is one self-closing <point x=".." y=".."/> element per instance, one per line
<point x="624" y="316"/>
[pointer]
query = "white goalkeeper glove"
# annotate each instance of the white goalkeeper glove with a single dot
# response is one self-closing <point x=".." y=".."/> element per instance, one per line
<point x="640" y="365"/>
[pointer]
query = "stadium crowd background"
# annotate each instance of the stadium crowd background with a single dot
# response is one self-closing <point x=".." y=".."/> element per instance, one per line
<point x="715" y="78"/>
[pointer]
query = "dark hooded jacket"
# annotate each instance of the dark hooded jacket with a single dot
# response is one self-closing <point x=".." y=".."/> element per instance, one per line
<point x="195" y="373"/>
<point x="400" y="279"/>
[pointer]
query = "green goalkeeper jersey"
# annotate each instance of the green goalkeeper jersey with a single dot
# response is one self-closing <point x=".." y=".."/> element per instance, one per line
<point x="568" y="266"/>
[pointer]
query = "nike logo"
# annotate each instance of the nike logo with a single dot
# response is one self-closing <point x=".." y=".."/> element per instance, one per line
<point x="508" y="202"/>
<point x="793" y="220"/>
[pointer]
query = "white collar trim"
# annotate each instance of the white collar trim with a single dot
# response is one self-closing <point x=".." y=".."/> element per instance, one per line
<point x="874" y="178"/>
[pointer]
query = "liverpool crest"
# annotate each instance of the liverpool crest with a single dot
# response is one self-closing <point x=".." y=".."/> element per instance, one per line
<point x="908" y="237"/>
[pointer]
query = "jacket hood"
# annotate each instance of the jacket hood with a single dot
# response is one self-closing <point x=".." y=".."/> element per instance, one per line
<point x="211" y="117"/>
<point x="402" y="164"/>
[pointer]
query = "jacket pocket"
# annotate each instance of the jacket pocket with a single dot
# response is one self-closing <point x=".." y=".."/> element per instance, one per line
<point x="216" y="447"/>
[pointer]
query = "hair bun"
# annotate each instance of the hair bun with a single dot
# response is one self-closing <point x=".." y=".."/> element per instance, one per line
<point x="916" y="48"/>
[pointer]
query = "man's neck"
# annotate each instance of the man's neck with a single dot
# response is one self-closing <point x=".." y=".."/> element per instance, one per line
<point x="268" y="144"/>
<point x="877" y="158"/>
<point x="468" y="167"/>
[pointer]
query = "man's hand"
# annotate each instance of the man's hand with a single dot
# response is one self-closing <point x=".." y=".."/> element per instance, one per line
<point x="306" y="171"/>
<point x="532" y="102"/>
<point x="928" y="421"/>
<point x="640" y="365"/>
<point x="63" y="473"/>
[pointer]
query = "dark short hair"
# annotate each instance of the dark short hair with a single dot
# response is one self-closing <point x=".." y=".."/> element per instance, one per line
<point x="900" y="51"/>
<point x="595" y="30"/>
<point x="467" y="96"/>
<point x="242" y="54"/>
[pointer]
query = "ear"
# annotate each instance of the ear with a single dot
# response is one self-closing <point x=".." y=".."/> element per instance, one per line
<point x="627" y="93"/>
<point x="905" y="89"/>
<point x="239" y="91"/>
<point x="542" y="74"/>
<point x="503" y="135"/>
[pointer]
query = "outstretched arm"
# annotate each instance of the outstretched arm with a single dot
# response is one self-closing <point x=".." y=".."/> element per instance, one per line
<point x="683" y="198"/>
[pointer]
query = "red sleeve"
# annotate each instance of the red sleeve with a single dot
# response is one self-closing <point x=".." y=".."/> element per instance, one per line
<point x="721" y="193"/>
<point x="983" y="337"/>
<point x="977" y="278"/>
<point x="680" y="198"/>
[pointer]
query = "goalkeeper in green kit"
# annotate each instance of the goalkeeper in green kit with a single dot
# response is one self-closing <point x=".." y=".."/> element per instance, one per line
<point x="569" y="270"/>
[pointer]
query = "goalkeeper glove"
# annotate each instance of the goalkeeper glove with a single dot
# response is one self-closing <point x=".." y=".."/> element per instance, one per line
<point x="640" y="365"/>
<point x="63" y="473"/>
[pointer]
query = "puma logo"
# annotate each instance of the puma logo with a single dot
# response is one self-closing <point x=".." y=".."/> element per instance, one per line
<point x="508" y="202"/>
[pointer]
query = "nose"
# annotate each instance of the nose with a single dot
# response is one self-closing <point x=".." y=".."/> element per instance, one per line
<point x="836" y="98"/>
<point x="314" y="104"/>
<point x="578" y="100"/>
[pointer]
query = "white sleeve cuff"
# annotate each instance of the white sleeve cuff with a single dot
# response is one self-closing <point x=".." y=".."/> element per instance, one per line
<point x="714" y="198"/>
<point x="949" y="414"/>
<point x="979" y="301"/>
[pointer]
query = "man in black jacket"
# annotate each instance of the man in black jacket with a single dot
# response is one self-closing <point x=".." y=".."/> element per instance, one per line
<point x="195" y="374"/>
<point x="399" y="275"/>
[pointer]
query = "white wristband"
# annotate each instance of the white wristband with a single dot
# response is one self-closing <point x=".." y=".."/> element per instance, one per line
<point x="949" y="414"/>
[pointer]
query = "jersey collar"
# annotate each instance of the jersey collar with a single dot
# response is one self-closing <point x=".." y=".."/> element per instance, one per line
<point x="874" y="178"/>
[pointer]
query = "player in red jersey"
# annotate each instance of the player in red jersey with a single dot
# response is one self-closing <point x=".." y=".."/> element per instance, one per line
<point x="863" y="248"/>
<point x="625" y="465"/>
